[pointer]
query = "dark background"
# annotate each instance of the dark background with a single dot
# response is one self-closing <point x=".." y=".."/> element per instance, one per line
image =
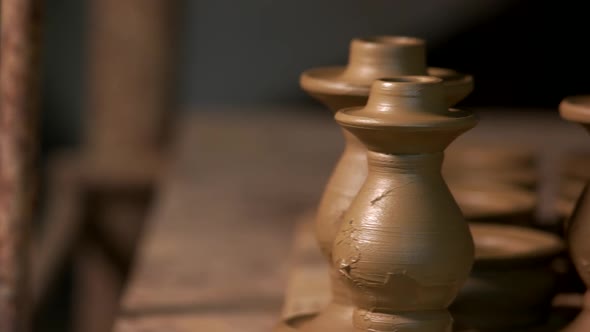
<point x="525" y="54"/>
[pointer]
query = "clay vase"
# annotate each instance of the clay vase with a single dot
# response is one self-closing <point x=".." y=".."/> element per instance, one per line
<point x="578" y="233"/>
<point x="577" y="109"/>
<point x="494" y="202"/>
<point x="570" y="189"/>
<point x="346" y="86"/>
<point x="514" y="165"/>
<point x="488" y="156"/>
<point x="511" y="285"/>
<point x="575" y="166"/>
<point x="404" y="249"/>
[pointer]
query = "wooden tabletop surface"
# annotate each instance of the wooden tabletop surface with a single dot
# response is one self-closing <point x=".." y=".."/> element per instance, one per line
<point x="215" y="254"/>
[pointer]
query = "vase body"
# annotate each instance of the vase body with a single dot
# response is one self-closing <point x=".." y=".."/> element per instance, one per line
<point x="348" y="86"/>
<point x="512" y="282"/>
<point x="404" y="247"/>
<point x="577" y="109"/>
<point x="578" y="234"/>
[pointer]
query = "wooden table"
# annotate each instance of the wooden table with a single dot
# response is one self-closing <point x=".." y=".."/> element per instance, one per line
<point x="215" y="254"/>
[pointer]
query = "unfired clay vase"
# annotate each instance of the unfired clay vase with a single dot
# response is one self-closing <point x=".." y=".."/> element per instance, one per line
<point x="494" y="202"/>
<point x="511" y="284"/>
<point x="490" y="156"/>
<point x="404" y="249"/>
<point x="492" y="163"/>
<point x="577" y="109"/>
<point x="570" y="189"/>
<point x="346" y="86"/>
<point x="575" y="166"/>
<point x="564" y="207"/>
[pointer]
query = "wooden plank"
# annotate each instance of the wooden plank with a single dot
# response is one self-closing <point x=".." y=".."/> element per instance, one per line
<point x="218" y="240"/>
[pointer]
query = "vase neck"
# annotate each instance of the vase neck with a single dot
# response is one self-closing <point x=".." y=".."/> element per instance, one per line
<point x="382" y="163"/>
<point x="352" y="142"/>
<point x="378" y="57"/>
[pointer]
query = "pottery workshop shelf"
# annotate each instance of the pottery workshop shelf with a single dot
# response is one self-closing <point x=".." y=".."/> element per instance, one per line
<point x="218" y="250"/>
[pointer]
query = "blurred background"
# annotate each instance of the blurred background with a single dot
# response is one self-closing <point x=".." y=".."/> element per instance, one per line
<point x="521" y="53"/>
<point x="191" y="56"/>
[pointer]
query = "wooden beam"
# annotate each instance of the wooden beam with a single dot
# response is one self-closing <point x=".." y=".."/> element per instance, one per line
<point x="19" y="26"/>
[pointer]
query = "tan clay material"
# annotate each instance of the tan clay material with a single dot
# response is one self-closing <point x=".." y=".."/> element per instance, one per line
<point x="570" y="190"/>
<point x="511" y="284"/>
<point x="404" y="249"/>
<point x="495" y="202"/>
<point x="485" y="162"/>
<point x="378" y="57"/>
<point x="346" y="86"/>
<point x="577" y="109"/>
<point x="341" y="87"/>
<point x="490" y="157"/>
<point x="579" y="245"/>
<point x="524" y="178"/>
<point x="564" y="207"/>
<point x="575" y="166"/>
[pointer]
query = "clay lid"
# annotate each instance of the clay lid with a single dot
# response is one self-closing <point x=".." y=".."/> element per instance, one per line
<point x="381" y="57"/>
<point x="489" y="200"/>
<point x="576" y="109"/>
<point x="406" y="115"/>
<point x="508" y="245"/>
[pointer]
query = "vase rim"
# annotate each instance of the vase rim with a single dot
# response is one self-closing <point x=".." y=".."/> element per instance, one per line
<point x="576" y="109"/>
<point x="330" y="80"/>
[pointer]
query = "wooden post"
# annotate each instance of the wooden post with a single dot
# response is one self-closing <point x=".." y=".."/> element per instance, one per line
<point x="130" y="70"/>
<point x="130" y="85"/>
<point x="19" y="25"/>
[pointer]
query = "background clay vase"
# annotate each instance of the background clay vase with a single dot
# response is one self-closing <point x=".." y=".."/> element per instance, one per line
<point x="577" y="109"/>
<point x="511" y="285"/>
<point x="347" y="86"/>
<point x="515" y="165"/>
<point x="341" y="87"/>
<point x="490" y="156"/>
<point x="404" y="248"/>
<point x="575" y="166"/>
<point x="494" y="202"/>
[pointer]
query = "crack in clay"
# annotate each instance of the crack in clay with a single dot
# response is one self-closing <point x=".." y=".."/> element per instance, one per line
<point x="386" y="279"/>
<point x="346" y="265"/>
<point x="346" y="233"/>
<point x="381" y="196"/>
<point x="387" y="192"/>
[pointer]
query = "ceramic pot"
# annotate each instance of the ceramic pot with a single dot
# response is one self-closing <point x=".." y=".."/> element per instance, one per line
<point x="340" y="87"/>
<point x="577" y="109"/>
<point x="511" y="284"/>
<point x="490" y="163"/>
<point x="576" y="167"/>
<point x="494" y="202"/>
<point x="403" y="248"/>
<point x="490" y="156"/>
